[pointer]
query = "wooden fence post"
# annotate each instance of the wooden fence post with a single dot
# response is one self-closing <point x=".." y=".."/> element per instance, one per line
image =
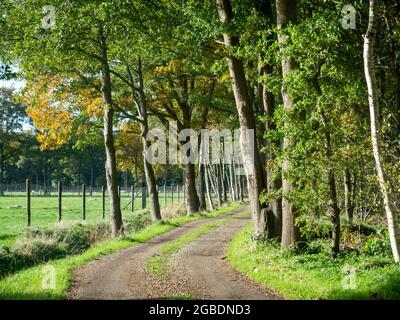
<point x="28" y="201"/>
<point x="84" y="202"/>
<point x="59" y="201"/>
<point x="132" y="197"/>
<point x="103" y="189"/>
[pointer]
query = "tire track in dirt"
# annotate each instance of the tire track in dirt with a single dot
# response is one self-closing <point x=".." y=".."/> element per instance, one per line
<point x="123" y="275"/>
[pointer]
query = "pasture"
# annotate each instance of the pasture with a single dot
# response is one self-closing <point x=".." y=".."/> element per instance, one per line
<point x="44" y="211"/>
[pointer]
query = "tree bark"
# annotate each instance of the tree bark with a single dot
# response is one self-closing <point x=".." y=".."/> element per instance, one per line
<point x="287" y="13"/>
<point x="202" y="179"/>
<point x="207" y="181"/>
<point x="148" y="168"/>
<point x="333" y="208"/>
<point x="192" y="201"/>
<point x="266" y="102"/>
<point x="191" y="198"/>
<point x="388" y="198"/>
<point x="111" y="162"/>
<point x="251" y="156"/>
<point x="348" y="195"/>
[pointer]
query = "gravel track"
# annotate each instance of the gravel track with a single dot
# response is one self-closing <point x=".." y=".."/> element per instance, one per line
<point x="199" y="270"/>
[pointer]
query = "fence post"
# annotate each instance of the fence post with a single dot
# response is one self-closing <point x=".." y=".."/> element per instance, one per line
<point x="144" y="196"/>
<point x="103" y="190"/>
<point x="132" y="198"/>
<point x="59" y="201"/>
<point x="28" y="201"/>
<point x="84" y="202"/>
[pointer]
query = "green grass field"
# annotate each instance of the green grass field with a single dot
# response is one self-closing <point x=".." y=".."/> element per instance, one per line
<point x="45" y="212"/>
<point x="27" y="283"/>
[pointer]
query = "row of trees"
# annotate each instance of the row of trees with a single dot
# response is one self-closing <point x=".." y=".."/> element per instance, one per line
<point x="286" y="69"/>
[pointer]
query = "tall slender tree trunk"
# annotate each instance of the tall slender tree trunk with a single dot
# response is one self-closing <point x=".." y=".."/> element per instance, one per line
<point x="334" y="211"/>
<point x="287" y="13"/>
<point x="207" y="181"/>
<point x="148" y="168"/>
<point x="333" y="208"/>
<point x="387" y="193"/>
<point x="251" y="157"/>
<point x="348" y="195"/>
<point x="202" y="179"/>
<point x="266" y="102"/>
<point x="111" y="161"/>
<point x="192" y="202"/>
<point x="202" y="188"/>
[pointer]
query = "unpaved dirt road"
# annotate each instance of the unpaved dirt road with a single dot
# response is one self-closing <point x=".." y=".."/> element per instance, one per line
<point x="199" y="270"/>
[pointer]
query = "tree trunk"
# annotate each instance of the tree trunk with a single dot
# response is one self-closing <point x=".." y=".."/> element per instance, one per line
<point x="191" y="198"/>
<point x="111" y="162"/>
<point x="148" y="168"/>
<point x="207" y="181"/>
<point x="202" y="180"/>
<point x="266" y="103"/>
<point x="287" y="13"/>
<point x="230" y="182"/>
<point x="202" y="188"/>
<point x="192" y="202"/>
<point x="348" y="195"/>
<point x="333" y="208"/>
<point x="250" y="152"/>
<point x="387" y="193"/>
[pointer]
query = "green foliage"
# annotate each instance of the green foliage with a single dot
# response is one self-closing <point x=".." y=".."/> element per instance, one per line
<point x="377" y="245"/>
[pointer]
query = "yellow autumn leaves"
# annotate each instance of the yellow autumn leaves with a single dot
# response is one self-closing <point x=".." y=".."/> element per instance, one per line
<point x="55" y="108"/>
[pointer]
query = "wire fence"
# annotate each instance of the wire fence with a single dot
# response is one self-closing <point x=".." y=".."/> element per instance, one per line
<point x="36" y="205"/>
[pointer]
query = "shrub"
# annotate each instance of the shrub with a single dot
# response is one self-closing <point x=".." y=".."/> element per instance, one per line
<point x="318" y="246"/>
<point x="314" y="228"/>
<point x="137" y="222"/>
<point x="37" y="246"/>
<point x="377" y="245"/>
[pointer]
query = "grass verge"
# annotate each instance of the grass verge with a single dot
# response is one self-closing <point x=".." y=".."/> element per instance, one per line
<point x="28" y="283"/>
<point x="158" y="263"/>
<point x="314" y="276"/>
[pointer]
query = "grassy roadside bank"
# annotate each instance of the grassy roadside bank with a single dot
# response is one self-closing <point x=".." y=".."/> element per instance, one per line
<point x="314" y="275"/>
<point x="27" y="284"/>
